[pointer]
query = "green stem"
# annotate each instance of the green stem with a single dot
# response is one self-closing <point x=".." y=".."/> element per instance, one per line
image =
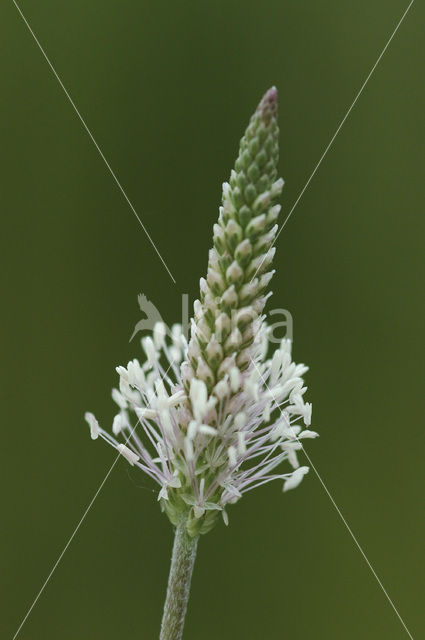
<point x="182" y="561"/>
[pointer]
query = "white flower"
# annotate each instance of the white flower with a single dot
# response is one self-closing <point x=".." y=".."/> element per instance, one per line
<point x="213" y="418"/>
<point x="208" y="451"/>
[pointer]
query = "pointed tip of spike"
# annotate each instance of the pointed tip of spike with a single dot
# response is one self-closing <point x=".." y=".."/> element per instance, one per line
<point x="271" y="94"/>
<point x="268" y="105"/>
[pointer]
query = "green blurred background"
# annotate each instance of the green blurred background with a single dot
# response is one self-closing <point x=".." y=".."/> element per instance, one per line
<point x="167" y="89"/>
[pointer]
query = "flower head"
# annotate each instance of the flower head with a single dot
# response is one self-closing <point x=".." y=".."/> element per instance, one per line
<point x="212" y="418"/>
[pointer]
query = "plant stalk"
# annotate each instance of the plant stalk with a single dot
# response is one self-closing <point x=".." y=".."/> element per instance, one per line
<point x="182" y="561"/>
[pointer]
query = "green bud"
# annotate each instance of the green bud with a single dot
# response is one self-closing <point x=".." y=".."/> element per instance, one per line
<point x="234" y="274"/>
<point x="243" y="253"/>
<point x="253" y="172"/>
<point x="233" y="234"/>
<point x="256" y="225"/>
<point x="250" y="193"/>
<point x="229" y="299"/>
<point x="244" y="215"/>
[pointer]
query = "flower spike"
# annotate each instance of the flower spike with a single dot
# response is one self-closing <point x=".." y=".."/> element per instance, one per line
<point x="212" y="418"/>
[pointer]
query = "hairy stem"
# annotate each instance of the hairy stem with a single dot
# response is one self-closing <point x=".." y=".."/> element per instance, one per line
<point x="182" y="561"/>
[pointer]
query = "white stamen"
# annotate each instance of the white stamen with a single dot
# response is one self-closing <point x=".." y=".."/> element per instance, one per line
<point x="188" y="448"/>
<point x="308" y="434"/>
<point x="145" y="414"/>
<point x="275" y="368"/>
<point x="117" y="424"/>
<point x="122" y="372"/>
<point x="221" y="389"/>
<point x="166" y="421"/>
<point x="192" y="429"/>
<point x="241" y="443"/>
<point x="119" y="399"/>
<point x="93" y="424"/>
<point x="135" y="374"/>
<point x="295" y="478"/>
<point x="149" y="347"/>
<point x="159" y="332"/>
<point x="127" y="453"/>
<point x="207" y="430"/>
<point x="231" y="452"/>
<point x="235" y="378"/>
<point x="176" y="398"/>
<point x="240" y="420"/>
<point x="251" y="385"/>
<point x="198" y="397"/>
<point x="266" y="412"/>
<point x="307" y="414"/>
<point x="291" y="448"/>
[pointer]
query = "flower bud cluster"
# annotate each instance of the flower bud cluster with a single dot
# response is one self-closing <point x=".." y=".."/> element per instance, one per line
<point x="233" y="295"/>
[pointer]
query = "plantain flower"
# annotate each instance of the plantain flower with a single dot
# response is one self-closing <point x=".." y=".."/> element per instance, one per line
<point x="215" y="417"/>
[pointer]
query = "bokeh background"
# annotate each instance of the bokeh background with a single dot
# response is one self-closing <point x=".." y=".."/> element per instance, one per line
<point x="167" y="89"/>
